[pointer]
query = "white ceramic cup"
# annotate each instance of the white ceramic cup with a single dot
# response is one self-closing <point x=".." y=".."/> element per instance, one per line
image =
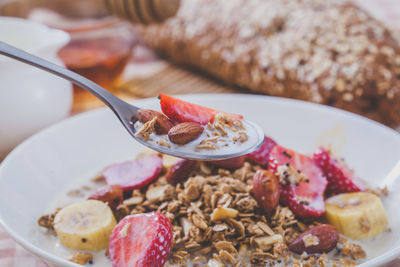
<point x="30" y="99"/>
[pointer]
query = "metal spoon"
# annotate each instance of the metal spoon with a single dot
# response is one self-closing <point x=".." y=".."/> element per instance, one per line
<point x="126" y="113"/>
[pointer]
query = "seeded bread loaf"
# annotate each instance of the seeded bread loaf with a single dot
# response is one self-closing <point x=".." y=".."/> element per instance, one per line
<point x="325" y="51"/>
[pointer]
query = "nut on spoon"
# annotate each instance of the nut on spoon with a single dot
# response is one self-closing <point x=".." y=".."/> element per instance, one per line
<point x="127" y="113"/>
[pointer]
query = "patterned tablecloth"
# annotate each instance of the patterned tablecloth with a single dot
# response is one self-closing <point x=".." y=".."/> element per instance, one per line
<point x="13" y="255"/>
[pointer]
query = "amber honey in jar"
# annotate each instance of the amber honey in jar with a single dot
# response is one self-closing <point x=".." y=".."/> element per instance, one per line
<point x="99" y="53"/>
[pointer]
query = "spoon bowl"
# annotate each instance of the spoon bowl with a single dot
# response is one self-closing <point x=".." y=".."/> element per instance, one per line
<point x="128" y="114"/>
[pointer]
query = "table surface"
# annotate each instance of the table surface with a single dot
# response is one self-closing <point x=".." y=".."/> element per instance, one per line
<point x="13" y="255"/>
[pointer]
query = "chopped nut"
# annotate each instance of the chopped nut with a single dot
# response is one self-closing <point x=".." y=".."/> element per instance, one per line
<point x="310" y="240"/>
<point x="357" y="252"/>
<point x="81" y="258"/>
<point x="160" y="193"/>
<point x="124" y="230"/>
<point x="186" y="225"/>
<point x="226" y="257"/>
<point x="199" y="222"/>
<point x="192" y="192"/>
<point x="265" y="228"/>
<point x="220" y="227"/>
<point x="222" y="213"/>
<point x="133" y="201"/>
<point x="147" y="129"/>
<point x="365" y="224"/>
<point x="47" y="221"/>
<point x="265" y="243"/>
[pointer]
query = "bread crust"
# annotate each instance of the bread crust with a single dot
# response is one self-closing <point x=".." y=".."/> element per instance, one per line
<point x="325" y="51"/>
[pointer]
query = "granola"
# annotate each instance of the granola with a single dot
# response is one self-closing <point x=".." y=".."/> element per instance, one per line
<point x="216" y="221"/>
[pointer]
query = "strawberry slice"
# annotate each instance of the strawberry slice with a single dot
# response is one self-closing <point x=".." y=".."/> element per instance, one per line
<point x="340" y="178"/>
<point x="141" y="240"/>
<point x="261" y="155"/>
<point x="306" y="197"/>
<point x="230" y="164"/>
<point x="133" y="174"/>
<point x="181" y="111"/>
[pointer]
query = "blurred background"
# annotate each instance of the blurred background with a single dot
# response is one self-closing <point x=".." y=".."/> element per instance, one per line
<point x="105" y="46"/>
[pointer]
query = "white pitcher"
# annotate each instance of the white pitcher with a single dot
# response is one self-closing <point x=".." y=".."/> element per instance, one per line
<point x="30" y="99"/>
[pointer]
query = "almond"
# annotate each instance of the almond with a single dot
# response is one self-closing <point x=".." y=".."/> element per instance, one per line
<point x="185" y="132"/>
<point x="266" y="190"/>
<point x="163" y="124"/>
<point x="318" y="239"/>
<point x="180" y="171"/>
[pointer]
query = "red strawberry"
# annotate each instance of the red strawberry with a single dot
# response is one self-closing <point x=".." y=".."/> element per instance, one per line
<point x="305" y="199"/>
<point x="141" y="240"/>
<point x="261" y="155"/>
<point x="133" y="174"/>
<point x="181" y="111"/>
<point x="340" y="178"/>
<point x="230" y="164"/>
<point x="180" y="171"/>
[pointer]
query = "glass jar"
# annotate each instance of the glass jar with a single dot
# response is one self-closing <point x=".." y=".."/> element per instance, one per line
<point x="99" y="52"/>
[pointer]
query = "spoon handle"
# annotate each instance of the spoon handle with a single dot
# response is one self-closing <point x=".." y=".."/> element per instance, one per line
<point x="109" y="99"/>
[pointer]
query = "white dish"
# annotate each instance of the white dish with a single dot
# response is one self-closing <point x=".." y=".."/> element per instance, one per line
<point x="30" y="99"/>
<point x="48" y="163"/>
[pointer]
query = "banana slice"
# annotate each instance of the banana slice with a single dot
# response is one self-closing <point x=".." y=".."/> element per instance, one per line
<point x="168" y="160"/>
<point x="147" y="152"/>
<point x="356" y="215"/>
<point x="85" y="225"/>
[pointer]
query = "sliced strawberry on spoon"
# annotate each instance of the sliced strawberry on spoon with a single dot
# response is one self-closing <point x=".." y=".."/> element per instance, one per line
<point x="133" y="174"/>
<point x="181" y="111"/>
<point x="261" y="155"/>
<point x="302" y="182"/>
<point x="340" y="178"/>
<point x="141" y="240"/>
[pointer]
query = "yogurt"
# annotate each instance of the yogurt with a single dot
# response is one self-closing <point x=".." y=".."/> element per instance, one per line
<point x="213" y="142"/>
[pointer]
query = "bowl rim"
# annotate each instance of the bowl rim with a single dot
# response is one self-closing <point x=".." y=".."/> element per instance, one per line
<point x="388" y="256"/>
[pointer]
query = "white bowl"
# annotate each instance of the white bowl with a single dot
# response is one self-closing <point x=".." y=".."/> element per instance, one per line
<point x="44" y="166"/>
<point x="30" y="99"/>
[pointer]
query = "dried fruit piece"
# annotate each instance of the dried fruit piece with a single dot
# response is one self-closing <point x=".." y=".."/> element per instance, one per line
<point x="185" y="132"/>
<point x="318" y="239"/>
<point x="182" y="111"/>
<point x="266" y="190"/>
<point x="261" y="155"/>
<point x="110" y="194"/>
<point x="162" y="125"/>
<point x="133" y="174"/>
<point x="230" y="164"/>
<point x="180" y="171"/>
<point x="141" y="240"/>
<point x="305" y="197"/>
<point x="340" y="178"/>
